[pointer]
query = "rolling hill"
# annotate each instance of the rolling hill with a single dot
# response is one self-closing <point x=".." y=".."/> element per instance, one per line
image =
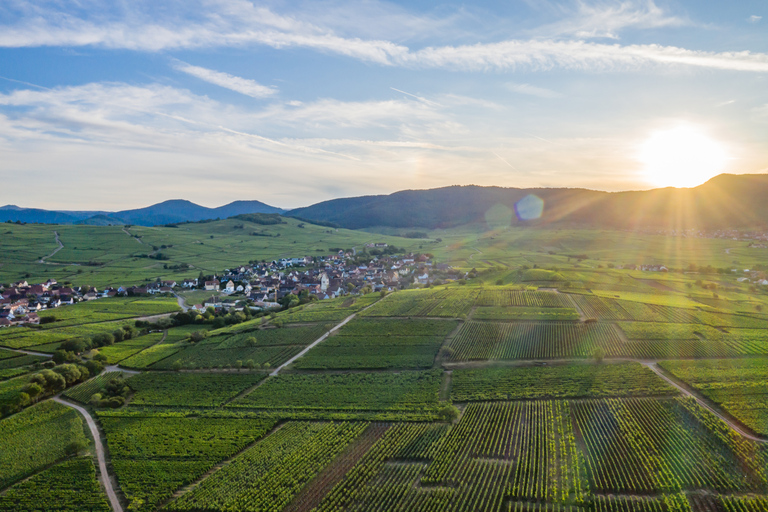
<point x="726" y="201"/>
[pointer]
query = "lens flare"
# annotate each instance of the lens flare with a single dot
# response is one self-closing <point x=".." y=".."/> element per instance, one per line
<point x="529" y="208"/>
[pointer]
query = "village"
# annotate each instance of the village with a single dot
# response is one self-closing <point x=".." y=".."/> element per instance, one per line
<point x="258" y="285"/>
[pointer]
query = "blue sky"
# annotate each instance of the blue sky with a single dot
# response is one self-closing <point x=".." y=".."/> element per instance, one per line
<point x="121" y="104"/>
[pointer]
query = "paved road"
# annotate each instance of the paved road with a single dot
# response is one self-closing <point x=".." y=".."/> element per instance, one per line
<point x="105" y="480"/>
<point x="735" y="426"/>
<point x="182" y="302"/>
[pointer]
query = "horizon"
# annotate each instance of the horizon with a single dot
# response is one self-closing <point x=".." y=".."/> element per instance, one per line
<point x="287" y="101"/>
<point x="350" y="197"/>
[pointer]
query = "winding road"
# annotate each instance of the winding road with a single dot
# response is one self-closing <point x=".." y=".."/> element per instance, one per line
<point x="104" y="475"/>
<point x="61" y="246"/>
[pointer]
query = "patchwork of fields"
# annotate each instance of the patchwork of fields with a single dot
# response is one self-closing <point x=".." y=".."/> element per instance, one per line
<point x="569" y="389"/>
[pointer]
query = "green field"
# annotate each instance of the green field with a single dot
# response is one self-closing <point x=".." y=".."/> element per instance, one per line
<point x="526" y="386"/>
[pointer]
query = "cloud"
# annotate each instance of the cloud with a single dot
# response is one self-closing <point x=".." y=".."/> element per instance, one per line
<point x="231" y="82"/>
<point x="138" y="26"/>
<point x="754" y="18"/>
<point x="607" y="18"/>
<point x="532" y="90"/>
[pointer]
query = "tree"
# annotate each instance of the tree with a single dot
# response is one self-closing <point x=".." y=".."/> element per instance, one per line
<point x="75" y="448"/>
<point x="251" y="341"/>
<point x="598" y="354"/>
<point x="448" y="412"/>
<point x="33" y="389"/>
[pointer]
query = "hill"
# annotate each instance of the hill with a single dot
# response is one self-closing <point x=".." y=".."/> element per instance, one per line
<point x="726" y="201"/>
<point x="167" y="212"/>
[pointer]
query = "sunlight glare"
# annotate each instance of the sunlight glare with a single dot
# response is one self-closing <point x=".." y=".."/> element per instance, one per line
<point x="683" y="156"/>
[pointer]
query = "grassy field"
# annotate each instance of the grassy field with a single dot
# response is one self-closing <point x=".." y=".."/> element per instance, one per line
<point x="525" y="388"/>
<point x="107" y="256"/>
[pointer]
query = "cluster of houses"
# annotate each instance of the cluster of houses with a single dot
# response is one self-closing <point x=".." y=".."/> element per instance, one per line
<point x="266" y="284"/>
<point x="751" y="276"/>
<point x="20" y="302"/>
<point x="262" y="285"/>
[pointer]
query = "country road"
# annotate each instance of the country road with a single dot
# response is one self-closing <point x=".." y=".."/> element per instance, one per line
<point x="60" y="247"/>
<point x="654" y="367"/>
<point x="320" y="340"/>
<point x="105" y="480"/>
<point x="28" y="352"/>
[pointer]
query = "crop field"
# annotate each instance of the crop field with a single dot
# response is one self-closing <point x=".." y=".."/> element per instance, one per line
<point x="522" y="381"/>
<point x="506" y="298"/>
<point x="561" y="381"/>
<point x="380" y="344"/>
<point x="68" y="486"/>
<point x="190" y="389"/>
<point x="153" y="456"/>
<point x="125" y="349"/>
<point x="104" y="310"/>
<point x="524" y="313"/>
<point x="84" y="391"/>
<point x="507" y="341"/>
<point x="404" y="391"/>
<point x="454" y="303"/>
<point x="737" y="385"/>
<point x="268" y="475"/>
<point x="36" y="438"/>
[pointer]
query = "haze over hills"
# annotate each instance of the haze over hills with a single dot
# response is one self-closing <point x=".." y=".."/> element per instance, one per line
<point x="726" y="201"/>
<point x="167" y="212"/>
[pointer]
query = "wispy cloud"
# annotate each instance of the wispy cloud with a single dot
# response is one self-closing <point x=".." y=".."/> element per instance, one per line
<point x="235" y="83"/>
<point x="420" y="98"/>
<point x="754" y="18"/>
<point x="606" y="19"/>
<point x="533" y="90"/>
<point x="239" y="23"/>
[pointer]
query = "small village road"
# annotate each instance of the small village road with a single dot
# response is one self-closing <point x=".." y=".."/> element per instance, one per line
<point x="654" y="367"/>
<point x="105" y="480"/>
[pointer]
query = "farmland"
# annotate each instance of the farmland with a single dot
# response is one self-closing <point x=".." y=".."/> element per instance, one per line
<point x="527" y="386"/>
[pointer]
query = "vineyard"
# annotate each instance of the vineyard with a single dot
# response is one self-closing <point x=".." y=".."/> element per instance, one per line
<point x="35" y="438"/>
<point x="564" y="381"/>
<point x="69" y="486"/>
<point x="352" y="391"/>
<point x="737" y="385"/>
<point x="456" y="397"/>
<point x="153" y="456"/>
<point x="84" y="391"/>
<point x="190" y="389"/>
<point x="524" y="313"/>
<point x="380" y="344"/>
<point x="506" y="341"/>
<point x="268" y="475"/>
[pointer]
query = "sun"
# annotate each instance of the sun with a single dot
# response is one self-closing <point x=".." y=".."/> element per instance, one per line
<point x="683" y="156"/>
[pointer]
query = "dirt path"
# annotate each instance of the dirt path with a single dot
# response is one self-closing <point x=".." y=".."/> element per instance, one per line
<point x="311" y="345"/>
<point x="28" y="352"/>
<point x="104" y="476"/>
<point x="445" y="386"/>
<point x="316" y="489"/>
<point x="61" y="246"/>
<point x="130" y="235"/>
<point x="319" y="340"/>
<point x="654" y="367"/>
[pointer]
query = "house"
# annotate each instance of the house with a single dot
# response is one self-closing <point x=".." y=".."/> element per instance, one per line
<point x="212" y="285"/>
<point x="230" y="288"/>
<point x="189" y="283"/>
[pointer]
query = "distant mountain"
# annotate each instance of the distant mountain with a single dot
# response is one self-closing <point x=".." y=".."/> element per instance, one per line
<point x="726" y="201"/>
<point x="167" y="212"/>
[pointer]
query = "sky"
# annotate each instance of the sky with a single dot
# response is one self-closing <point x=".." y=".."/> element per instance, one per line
<point x="121" y="104"/>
